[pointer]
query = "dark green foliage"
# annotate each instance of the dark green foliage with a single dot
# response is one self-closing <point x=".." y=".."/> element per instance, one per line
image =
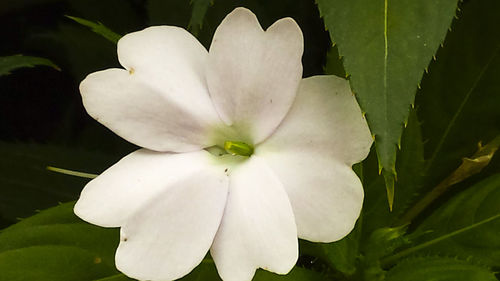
<point x="56" y="245"/>
<point x="200" y="8"/>
<point x="11" y="63"/>
<point x="471" y="220"/>
<point x="26" y="185"/>
<point x="98" y="28"/>
<point x="459" y="100"/>
<point x="439" y="269"/>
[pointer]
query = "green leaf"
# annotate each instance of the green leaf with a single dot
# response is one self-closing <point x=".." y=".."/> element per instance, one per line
<point x="10" y="63"/>
<point x="386" y="45"/>
<point x="56" y="245"/>
<point x="118" y="277"/>
<point x="468" y="225"/>
<point x="207" y="271"/>
<point x="200" y="8"/>
<point x="297" y="274"/>
<point x="341" y="255"/>
<point x="439" y="269"/>
<point x="470" y="166"/>
<point x="459" y="99"/>
<point x="26" y="185"/>
<point x="55" y="263"/>
<point x="98" y="28"/>
<point x="334" y="64"/>
<point x="410" y="168"/>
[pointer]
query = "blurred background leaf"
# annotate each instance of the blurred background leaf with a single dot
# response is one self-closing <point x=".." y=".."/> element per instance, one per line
<point x="50" y="246"/>
<point x="439" y="269"/>
<point x="460" y="97"/>
<point x="10" y="63"/>
<point x="200" y="8"/>
<point x="98" y="28"/>
<point x="468" y="225"/>
<point x="26" y="185"/>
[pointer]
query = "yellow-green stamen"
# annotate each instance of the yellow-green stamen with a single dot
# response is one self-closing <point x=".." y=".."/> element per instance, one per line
<point x="238" y="148"/>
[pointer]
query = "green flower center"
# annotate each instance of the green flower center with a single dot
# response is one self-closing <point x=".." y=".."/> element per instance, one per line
<point x="238" y="148"/>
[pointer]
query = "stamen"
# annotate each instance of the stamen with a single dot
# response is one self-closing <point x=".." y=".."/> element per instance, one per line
<point x="238" y="148"/>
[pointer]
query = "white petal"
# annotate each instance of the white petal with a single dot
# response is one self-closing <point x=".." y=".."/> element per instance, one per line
<point x="253" y="75"/>
<point x="171" y="234"/>
<point x="173" y="61"/>
<point x="143" y="115"/>
<point x="312" y="152"/>
<point x="162" y="101"/>
<point x="258" y="228"/>
<point x="326" y="195"/>
<point x="113" y="197"/>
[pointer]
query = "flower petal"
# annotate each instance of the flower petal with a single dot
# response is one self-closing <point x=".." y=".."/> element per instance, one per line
<point x="312" y="152"/>
<point x="143" y="115"/>
<point x="171" y="234"/>
<point x="258" y="228"/>
<point x="113" y="197"/>
<point x="173" y="61"/>
<point x="326" y="195"/>
<point x="162" y="101"/>
<point x="253" y="75"/>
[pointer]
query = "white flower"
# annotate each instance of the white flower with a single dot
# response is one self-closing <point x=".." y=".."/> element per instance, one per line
<point x="173" y="200"/>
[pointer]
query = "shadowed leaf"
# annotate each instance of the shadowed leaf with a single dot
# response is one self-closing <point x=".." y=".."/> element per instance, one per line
<point x="10" y="63"/>
<point x="439" y="269"/>
<point x="470" y="166"/>
<point x="459" y="101"/>
<point x="200" y="8"/>
<point x="98" y="28"/>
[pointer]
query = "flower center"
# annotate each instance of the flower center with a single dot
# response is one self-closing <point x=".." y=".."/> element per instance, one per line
<point x="238" y="148"/>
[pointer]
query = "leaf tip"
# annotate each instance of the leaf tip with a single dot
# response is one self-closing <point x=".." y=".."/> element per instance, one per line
<point x="389" y="177"/>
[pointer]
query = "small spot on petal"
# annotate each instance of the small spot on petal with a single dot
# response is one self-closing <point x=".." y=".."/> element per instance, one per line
<point x="131" y="71"/>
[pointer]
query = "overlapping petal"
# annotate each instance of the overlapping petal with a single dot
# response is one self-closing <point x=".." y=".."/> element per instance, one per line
<point x="312" y="152"/>
<point x="161" y="100"/>
<point x="253" y="74"/>
<point x="258" y="227"/>
<point x="112" y="198"/>
<point x="157" y="243"/>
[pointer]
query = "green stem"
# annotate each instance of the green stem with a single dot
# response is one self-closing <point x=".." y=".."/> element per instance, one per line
<point x="392" y="259"/>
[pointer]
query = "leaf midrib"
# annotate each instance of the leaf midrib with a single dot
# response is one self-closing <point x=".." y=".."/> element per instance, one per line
<point x="386" y="54"/>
